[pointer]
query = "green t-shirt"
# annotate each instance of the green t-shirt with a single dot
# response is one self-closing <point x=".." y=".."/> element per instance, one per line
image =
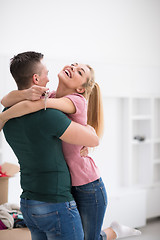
<point x="35" y="141"/>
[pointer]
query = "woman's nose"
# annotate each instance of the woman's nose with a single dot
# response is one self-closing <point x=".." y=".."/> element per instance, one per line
<point x="72" y="68"/>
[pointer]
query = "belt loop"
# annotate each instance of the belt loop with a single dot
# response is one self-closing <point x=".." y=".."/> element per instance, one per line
<point x="72" y="203"/>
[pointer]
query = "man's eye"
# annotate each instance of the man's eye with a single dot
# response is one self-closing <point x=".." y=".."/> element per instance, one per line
<point x="80" y="73"/>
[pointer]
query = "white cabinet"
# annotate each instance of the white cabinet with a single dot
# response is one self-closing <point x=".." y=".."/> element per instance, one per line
<point x="127" y="206"/>
<point x="141" y="148"/>
<point x="131" y="149"/>
<point x="141" y="116"/>
<point x="156" y="142"/>
<point x="141" y="141"/>
<point x="152" y="203"/>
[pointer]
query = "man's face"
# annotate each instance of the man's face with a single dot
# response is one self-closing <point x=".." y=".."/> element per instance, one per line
<point x="43" y="76"/>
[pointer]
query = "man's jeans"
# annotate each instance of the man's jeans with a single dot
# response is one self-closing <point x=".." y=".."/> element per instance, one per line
<point x="48" y="221"/>
<point x="91" y="201"/>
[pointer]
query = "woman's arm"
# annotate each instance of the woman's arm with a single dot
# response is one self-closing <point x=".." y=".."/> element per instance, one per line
<point x="33" y="93"/>
<point x="25" y="107"/>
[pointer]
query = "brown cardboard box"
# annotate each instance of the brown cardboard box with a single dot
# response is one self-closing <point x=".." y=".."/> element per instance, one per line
<point x="4" y="190"/>
<point x="9" y="170"/>
<point x="17" y="233"/>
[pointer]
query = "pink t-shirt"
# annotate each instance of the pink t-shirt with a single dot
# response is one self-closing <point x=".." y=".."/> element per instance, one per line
<point x="82" y="169"/>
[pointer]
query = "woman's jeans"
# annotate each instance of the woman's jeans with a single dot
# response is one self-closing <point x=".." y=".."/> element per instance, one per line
<point x="48" y="221"/>
<point x="91" y="202"/>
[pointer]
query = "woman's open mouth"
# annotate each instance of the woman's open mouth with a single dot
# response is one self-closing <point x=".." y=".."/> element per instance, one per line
<point x="68" y="73"/>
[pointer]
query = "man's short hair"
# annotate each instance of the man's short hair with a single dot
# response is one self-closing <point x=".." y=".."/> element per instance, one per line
<point x="23" y="66"/>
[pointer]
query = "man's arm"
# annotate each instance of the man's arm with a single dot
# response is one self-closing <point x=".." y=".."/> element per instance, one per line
<point x="33" y="93"/>
<point x="56" y="124"/>
<point x="80" y="135"/>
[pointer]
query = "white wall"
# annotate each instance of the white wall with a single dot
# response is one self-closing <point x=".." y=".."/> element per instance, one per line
<point x="119" y="38"/>
<point x="114" y="31"/>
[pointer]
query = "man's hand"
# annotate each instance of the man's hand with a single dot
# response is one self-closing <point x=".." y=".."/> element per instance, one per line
<point x="84" y="151"/>
<point x="35" y="92"/>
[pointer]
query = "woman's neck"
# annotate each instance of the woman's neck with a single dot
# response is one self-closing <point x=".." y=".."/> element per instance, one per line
<point x="63" y="91"/>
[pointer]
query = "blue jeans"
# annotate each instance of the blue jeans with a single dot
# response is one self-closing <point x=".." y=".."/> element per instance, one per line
<point x="48" y="221"/>
<point x="91" y="202"/>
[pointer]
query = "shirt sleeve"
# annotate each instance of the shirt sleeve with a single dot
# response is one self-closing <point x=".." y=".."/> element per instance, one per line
<point x="78" y="101"/>
<point x="54" y="122"/>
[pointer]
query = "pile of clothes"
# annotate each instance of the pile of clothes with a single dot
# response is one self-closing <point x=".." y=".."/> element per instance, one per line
<point x="11" y="216"/>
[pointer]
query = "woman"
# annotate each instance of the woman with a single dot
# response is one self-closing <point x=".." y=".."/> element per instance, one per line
<point x="76" y="87"/>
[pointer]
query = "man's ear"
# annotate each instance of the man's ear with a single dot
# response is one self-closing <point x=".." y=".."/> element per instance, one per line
<point x="80" y="90"/>
<point x="35" y="79"/>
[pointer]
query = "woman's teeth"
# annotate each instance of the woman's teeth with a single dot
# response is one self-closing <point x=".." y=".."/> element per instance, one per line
<point x="68" y="73"/>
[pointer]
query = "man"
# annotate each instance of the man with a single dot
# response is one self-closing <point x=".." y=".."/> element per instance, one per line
<point x="46" y="201"/>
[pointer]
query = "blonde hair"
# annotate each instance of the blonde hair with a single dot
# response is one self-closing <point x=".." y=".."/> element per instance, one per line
<point x="95" y="107"/>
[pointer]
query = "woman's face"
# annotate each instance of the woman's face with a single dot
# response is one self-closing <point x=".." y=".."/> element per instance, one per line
<point x="74" y="76"/>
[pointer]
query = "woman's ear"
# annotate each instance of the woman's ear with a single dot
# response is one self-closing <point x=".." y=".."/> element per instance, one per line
<point x="80" y="90"/>
<point x="35" y="79"/>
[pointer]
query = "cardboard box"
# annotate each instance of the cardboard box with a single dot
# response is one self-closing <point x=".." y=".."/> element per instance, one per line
<point x="8" y="170"/>
<point x="4" y="190"/>
<point x="15" y="234"/>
